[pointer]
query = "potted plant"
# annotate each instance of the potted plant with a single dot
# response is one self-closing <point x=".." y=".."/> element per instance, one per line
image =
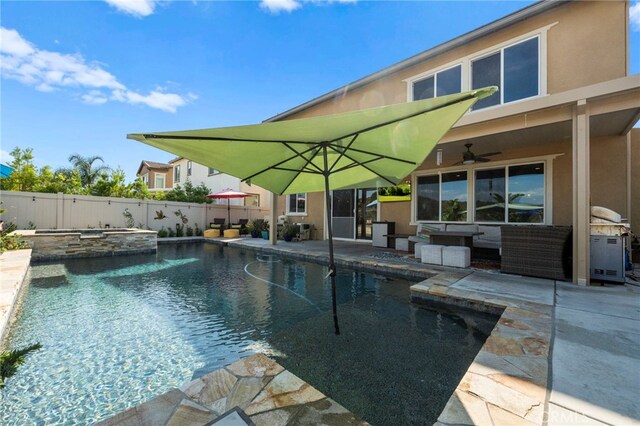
<point x="289" y="230"/>
<point x="255" y="228"/>
<point x="265" y="230"/>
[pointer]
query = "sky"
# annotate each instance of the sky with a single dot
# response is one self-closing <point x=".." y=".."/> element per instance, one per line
<point x="78" y="76"/>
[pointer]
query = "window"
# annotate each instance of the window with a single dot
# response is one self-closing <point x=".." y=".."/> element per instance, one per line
<point x="510" y="194"/>
<point x="145" y="178"/>
<point x="490" y="190"/>
<point x="514" y="69"/>
<point x="439" y="84"/>
<point x="442" y="197"/>
<point x="189" y="164"/>
<point x="176" y="174"/>
<point x="159" y="180"/>
<point x="297" y="204"/>
<point x="252" y="200"/>
<point x="526" y="193"/>
<point x="506" y="194"/>
<point x="212" y="171"/>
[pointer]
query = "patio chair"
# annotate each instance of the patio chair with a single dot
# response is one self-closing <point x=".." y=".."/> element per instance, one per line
<point x="241" y="225"/>
<point x="218" y="223"/>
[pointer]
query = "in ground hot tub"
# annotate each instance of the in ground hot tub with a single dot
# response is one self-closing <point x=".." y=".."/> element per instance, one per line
<point x="50" y="244"/>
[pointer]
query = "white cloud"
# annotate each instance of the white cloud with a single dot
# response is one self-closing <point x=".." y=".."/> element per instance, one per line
<point x="137" y="8"/>
<point x="5" y="157"/>
<point x="634" y="16"/>
<point x="48" y="71"/>
<point x="277" y="6"/>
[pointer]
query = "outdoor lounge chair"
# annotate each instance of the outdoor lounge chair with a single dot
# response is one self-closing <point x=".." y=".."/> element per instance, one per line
<point x="218" y="223"/>
<point x="241" y="225"/>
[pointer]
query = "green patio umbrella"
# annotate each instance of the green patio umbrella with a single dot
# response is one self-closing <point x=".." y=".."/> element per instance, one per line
<point x="367" y="148"/>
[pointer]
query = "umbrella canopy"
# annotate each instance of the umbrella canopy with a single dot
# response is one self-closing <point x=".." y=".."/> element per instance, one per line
<point x="228" y="194"/>
<point x="371" y="147"/>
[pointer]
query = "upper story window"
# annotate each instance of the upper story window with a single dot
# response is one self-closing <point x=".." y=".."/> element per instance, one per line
<point x="176" y="173"/>
<point x="189" y="166"/>
<point x="212" y="171"/>
<point x="297" y="204"/>
<point x="159" y="180"/>
<point x="442" y="83"/>
<point x="145" y="179"/>
<point x="515" y="69"/>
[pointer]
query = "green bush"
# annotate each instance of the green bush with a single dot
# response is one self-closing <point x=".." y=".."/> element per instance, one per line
<point x="198" y="231"/>
<point x="11" y="242"/>
<point x="162" y="233"/>
<point x="189" y="231"/>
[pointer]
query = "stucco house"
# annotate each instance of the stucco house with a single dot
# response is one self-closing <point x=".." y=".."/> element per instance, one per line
<point x="157" y="176"/>
<point x="558" y="134"/>
<point x="178" y="171"/>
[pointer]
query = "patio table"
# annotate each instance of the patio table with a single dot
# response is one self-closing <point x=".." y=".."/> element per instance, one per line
<point x="454" y="238"/>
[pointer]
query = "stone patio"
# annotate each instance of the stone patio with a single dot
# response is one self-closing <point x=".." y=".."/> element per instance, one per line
<point x="253" y="390"/>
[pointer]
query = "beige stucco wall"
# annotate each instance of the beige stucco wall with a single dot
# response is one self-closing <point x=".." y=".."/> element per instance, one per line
<point x="635" y="180"/>
<point x="314" y="216"/>
<point x="586" y="45"/>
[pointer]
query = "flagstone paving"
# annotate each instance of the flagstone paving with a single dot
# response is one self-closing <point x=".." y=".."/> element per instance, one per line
<point x="255" y="388"/>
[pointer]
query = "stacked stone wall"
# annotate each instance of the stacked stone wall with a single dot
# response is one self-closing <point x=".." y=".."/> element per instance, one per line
<point x="75" y="244"/>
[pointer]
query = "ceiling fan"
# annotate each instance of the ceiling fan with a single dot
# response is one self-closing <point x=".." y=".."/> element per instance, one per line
<point x="469" y="157"/>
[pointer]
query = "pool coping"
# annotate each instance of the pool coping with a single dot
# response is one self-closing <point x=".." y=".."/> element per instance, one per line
<point x="14" y="266"/>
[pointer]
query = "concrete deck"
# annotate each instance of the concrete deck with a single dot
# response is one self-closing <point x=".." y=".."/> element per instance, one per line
<point x="560" y="354"/>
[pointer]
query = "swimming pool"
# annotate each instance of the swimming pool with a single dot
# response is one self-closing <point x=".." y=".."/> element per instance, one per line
<point x="117" y="331"/>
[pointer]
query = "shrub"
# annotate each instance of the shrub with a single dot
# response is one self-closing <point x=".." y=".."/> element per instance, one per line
<point x="162" y="233"/>
<point x="198" y="231"/>
<point x="189" y="231"/>
<point x="11" y="242"/>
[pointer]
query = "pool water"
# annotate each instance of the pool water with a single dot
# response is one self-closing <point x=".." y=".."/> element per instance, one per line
<point x="117" y="331"/>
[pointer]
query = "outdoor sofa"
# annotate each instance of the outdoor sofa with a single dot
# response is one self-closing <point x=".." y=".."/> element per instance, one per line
<point x="537" y="250"/>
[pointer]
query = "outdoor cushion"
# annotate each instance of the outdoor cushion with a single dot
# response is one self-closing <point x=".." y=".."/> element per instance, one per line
<point x="491" y="237"/>
<point x="423" y="233"/>
<point x="467" y="227"/>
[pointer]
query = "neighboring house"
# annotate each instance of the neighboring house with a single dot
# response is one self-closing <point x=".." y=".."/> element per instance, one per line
<point x="180" y="170"/>
<point x="559" y="129"/>
<point x="157" y="176"/>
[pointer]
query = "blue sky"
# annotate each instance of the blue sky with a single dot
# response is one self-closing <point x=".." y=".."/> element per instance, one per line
<point x="77" y="76"/>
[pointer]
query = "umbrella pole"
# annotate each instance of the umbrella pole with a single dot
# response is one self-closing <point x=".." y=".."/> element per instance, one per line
<point x="229" y="213"/>
<point x="332" y="265"/>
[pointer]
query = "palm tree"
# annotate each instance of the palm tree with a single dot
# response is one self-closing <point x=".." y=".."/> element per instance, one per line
<point x="88" y="173"/>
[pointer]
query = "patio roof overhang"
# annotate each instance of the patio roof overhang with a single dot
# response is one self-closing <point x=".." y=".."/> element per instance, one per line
<point x="614" y="108"/>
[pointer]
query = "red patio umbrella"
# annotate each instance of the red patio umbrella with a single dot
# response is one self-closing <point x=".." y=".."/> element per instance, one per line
<point x="228" y="194"/>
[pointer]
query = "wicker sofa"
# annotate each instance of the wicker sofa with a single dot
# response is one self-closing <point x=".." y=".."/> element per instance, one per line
<point x="539" y="251"/>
